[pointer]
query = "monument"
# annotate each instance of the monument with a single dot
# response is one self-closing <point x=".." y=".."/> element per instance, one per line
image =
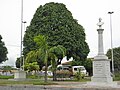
<point x="101" y="63"/>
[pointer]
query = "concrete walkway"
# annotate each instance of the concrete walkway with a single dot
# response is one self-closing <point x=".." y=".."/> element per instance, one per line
<point x="85" y="86"/>
<point x="62" y="85"/>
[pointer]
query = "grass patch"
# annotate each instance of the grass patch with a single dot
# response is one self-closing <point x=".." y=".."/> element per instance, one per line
<point x="116" y="76"/>
<point x="44" y="83"/>
<point x="75" y="80"/>
<point x="33" y="76"/>
<point x="33" y="82"/>
<point x="83" y="80"/>
<point x="6" y="77"/>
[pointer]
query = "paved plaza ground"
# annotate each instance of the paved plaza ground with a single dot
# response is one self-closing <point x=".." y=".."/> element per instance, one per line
<point x="61" y="86"/>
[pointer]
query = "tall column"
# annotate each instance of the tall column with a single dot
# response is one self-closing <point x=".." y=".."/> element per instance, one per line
<point x="101" y="54"/>
<point x="100" y="42"/>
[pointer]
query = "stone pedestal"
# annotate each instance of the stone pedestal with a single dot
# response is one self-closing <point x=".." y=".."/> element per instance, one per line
<point x="20" y="75"/>
<point x="101" y="63"/>
<point x="101" y="70"/>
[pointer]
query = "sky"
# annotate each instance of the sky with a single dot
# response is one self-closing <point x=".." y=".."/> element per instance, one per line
<point x="87" y="12"/>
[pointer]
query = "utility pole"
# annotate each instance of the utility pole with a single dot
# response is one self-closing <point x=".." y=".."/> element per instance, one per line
<point x="111" y="41"/>
<point x="24" y="22"/>
<point x="21" y="34"/>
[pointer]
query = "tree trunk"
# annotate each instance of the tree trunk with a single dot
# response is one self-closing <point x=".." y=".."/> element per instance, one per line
<point x="46" y="72"/>
<point x="54" y="75"/>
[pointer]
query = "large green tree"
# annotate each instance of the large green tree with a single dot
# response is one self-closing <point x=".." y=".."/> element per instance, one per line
<point x="116" y="57"/>
<point x="56" y="22"/>
<point x="3" y="51"/>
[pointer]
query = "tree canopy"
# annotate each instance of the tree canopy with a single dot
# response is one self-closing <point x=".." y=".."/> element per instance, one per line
<point x="3" y="51"/>
<point x="116" y="57"/>
<point x="56" y="22"/>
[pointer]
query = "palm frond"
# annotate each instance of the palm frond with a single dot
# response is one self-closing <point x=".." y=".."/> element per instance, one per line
<point x="30" y="57"/>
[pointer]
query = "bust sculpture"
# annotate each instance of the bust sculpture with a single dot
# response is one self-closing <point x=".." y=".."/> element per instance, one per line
<point x="100" y="23"/>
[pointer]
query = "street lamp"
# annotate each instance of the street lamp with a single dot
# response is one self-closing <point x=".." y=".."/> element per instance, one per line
<point x="20" y="74"/>
<point x="111" y="41"/>
<point x="21" y="34"/>
<point x="24" y="22"/>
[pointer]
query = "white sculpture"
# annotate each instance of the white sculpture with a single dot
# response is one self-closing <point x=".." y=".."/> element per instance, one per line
<point x="100" y="23"/>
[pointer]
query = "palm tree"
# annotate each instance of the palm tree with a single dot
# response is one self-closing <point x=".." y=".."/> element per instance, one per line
<point x="56" y="53"/>
<point x="31" y="57"/>
<point x="42" y="52"/>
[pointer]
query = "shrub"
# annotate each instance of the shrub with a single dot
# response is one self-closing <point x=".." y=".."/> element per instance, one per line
<point x="63" y="74"/>
<point x="79" y="75"/>
<point x="116" y="76"/>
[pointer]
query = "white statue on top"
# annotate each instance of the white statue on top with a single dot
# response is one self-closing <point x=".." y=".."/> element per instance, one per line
<point x="100" y="23"/>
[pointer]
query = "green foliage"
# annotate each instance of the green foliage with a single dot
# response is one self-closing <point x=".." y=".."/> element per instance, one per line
<point x="31" y="57"/>
<point x="116" y="57"/>
<point x="56" y="22"/>
<point x="32" y="66"/>
<point x="59" y="51"/>
<point x="56" y="54"/>
<point x="3" y="51"/>
<point x="42" y="51"/>
<point x="44" y="83"/>
<point x="63" y="74"/>
<point x="6" y="77"/>
<point x="76" y="63"/>
<point x="33" y="77"/>
<point x="18" y="61"/>
<point x="88" y="65"/>
<point x="117" y="76"/>
<point x="6" y="68"/>
<point x="78" y="75"/>
<point x="26" y="82"/>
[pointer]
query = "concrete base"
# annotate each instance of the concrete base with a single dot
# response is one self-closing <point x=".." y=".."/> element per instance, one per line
<point x="101" y="70"/>
<point x="102" y="79"/>
<point x="20" y="75"/>
<point x="102" y="84"/>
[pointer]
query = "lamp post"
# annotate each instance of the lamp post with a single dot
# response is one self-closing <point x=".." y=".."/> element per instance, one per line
<point x="21" y="34"/>
<point x="24" y="22"/>
<point x="19" y="75"/>
<point x="111" y="41"/>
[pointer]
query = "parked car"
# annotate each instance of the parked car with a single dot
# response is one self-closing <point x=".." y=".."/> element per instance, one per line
<point x="73" y="69"/>
<point x="49" y="73"/>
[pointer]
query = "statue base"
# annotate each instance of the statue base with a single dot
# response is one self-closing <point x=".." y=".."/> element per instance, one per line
<point x="101" y="71"/>
<point x="20" y="75"/>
